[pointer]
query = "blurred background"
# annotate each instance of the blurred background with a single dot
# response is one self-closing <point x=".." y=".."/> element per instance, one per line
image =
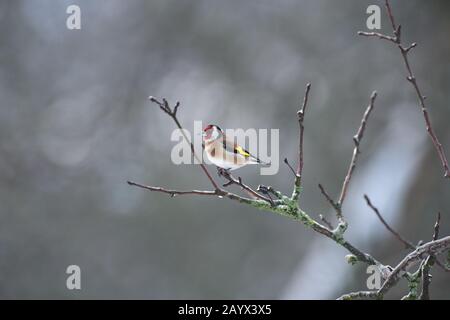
<point x="75" y="125"/>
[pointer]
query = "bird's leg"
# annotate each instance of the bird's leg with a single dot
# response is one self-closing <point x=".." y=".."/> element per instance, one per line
<point x="220" y="171"/>
<point x="223" y="172"/>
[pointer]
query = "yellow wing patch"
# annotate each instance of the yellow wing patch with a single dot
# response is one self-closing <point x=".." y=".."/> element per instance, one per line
<point x="242" y="151"/>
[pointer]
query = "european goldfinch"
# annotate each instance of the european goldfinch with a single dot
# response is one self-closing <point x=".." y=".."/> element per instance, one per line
<point x="225" y="153"/>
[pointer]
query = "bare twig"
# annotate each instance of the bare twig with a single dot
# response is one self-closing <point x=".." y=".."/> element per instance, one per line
<point x="174" y="192"/>
<point x="388" y="227"/>
<point x="396" y="39"/>
<point x="289" y="166"/>
<point x="330" y="201"/>
<point x="377" y="34"/>
<point x="391" y="18"/>
<point x="298" y="172"/>
<point x="301" y="118"/>
<point x="357" y="140"/>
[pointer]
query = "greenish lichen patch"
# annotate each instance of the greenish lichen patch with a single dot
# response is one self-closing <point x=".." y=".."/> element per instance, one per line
<point x="351" y="259"/>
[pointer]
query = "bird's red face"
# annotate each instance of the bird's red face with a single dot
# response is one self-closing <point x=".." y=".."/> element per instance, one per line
<point x="211" y="132"/>
<point x="207" y="132"/>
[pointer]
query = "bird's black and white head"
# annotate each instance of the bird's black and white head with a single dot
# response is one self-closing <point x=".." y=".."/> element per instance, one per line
<point x="212" y="133"/>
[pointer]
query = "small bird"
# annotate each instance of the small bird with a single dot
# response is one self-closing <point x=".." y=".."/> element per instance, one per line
<point x="225" y="153"/>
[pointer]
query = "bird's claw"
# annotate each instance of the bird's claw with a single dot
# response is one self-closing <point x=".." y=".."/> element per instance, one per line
<point x="221" y="172"/>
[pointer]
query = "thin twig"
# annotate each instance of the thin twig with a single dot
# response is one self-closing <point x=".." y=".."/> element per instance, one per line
<point x="301" y="118"/>
<point x="289" y="166"/>
<point x="174" y="192"/>
<point x="388" y="227"/>
<point x="298" y="172"/>
<point x="357" y="140"/>
<point x="330" y="201"/>
<point x="391" y="18"/>
<point x="378" y="35"/>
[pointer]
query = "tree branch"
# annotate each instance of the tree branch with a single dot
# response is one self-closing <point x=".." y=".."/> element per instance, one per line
<point x="357" y="140"/>
<point x="430" y="248"/>
<point x="290" y="167"/>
